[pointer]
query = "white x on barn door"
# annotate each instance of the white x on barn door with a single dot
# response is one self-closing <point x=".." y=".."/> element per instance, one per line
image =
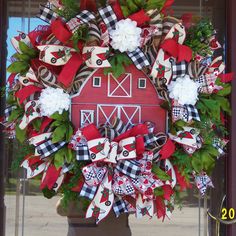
<point x="121" y="87"/>
<point x="86" y="117"/>
<point x="129" y="114"/>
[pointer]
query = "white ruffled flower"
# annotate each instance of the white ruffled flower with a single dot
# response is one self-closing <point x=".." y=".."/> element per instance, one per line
<point x="126" y="36"/>
<point x="184" y="90"/>
<point x="53" y="100"/>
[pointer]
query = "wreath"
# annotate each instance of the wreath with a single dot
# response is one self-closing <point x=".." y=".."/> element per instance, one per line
<point x="118" y="165"/>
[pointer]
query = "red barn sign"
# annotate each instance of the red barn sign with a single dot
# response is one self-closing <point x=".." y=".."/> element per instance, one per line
<point x="131" y="97"/>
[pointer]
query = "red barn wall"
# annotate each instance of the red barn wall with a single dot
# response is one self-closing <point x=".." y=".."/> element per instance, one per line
<point x="146" y="98"/>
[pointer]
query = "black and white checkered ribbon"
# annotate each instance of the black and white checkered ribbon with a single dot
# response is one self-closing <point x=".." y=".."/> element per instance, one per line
<point x="186" y="113"/>
<point x="219" y="145"/>
<point x="47" y="148"/>
<point x="192" y="113"/>
<point x="67" y="167"/>
<point x="88" y="191"/>
<point x="154" y="143"/>
<point x="109" y="17"/>
<point x="203" y="181"/>
<point x="82" y="152"/>
<point x="179" y="69"/>
<point x="130" y="168"/>
<point x="82" y="18"/>
<point x="47" y="14"/>
<point x="119" y="206"/>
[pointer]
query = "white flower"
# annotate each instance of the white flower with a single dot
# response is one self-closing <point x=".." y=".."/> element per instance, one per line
<point x="184" y="90"/>
<point x="126" y="36"/>
<point x="53" y="100"/>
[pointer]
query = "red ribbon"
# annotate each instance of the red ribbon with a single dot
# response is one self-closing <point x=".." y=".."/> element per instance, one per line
<point x="11" y="79"/>
<point x="140" y="17"/>
<point x="117" y="9"/>
<point x="187" y="20"/>
<point x="69" y="70"/>
<point x="26" y="92"/>
<point x="79" y="186"/>
<point x="60" y="31"/>
<point x="46" y="122"/>
<point x="50" y="178"/>
<point x="181" y="180"/>
<point x="226" y="78"/>
<point x="42" y="33"/>
<point x="89" y="5"/>
<point x="168" y="192"/>
<point x="91" y="132"/>
<point x="160" y="207"/>
<point x="178" y="51"/>
<point x="167" y="150"/>
<point x="137" y="130"/>
<point x="167" y="5"/>
<point x="34" y="161"/>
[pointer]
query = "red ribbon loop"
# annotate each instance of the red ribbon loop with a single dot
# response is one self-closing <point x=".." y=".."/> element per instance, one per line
<point x="69" y="70"/>
<point x="140" y="17"/>
<point x="178" y="51"/>
<point x="60" y="31"/>
<point x="26" y="92"/>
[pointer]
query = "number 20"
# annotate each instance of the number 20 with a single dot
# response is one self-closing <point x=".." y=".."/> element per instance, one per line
<point x="228" y="213"/>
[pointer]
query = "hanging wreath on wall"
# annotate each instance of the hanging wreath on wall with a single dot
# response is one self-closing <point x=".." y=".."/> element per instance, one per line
<point x="72" y="88"/>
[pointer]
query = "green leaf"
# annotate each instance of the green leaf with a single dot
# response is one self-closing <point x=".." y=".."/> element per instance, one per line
<point x="162" y="175"/>
<point x="208" y="162"/>
<point x="37" y="124"/>
<point x="69" y="133"/>
<point x="158" y="192"/>
<point x="18" y="67"/>
<point x="132" y="6"/>
<point x="180" y="124"/>
<point x="11" y="100"/>
<point x="61" y="117"/>
<point x="225" y="91"/>
<point x="70" y="9"/>
<point x="15" y="114"/>
<point x="139" y="3"/>
<point x="59" y="133"/>
<point x="223" y="103"/>
<point x="126" y="11"/>
<point x="59" y="158"/>
<point x="25" y="49"/>
<point x="196" y="162"/>
<point x="22" y="57"/>
<point x="48" y="193"/>
<point x="211" y="150"/>
<point x="118" y="63"/>
<point x="69" y="155"/>
<point x="20" y="134"/>
<point x="155" y="4"/>
<point x="198" y="37"/>
<point x="64" y="154"/>
<point x="56" y="123"/>
<point x="213" y="108"/>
